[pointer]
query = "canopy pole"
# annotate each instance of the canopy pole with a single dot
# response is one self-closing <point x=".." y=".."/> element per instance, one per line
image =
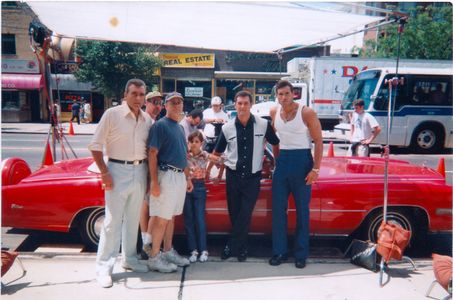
<point x="392" y="83"/>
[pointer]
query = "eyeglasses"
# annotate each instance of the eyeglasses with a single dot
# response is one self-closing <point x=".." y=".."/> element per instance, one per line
<point x="156" y="102"/>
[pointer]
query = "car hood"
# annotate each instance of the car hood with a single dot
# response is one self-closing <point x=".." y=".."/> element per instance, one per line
<point x="66" y="169"/>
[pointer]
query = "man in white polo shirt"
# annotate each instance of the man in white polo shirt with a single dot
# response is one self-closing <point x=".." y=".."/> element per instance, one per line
<point x="123" y="133"/>
<point x="214" y="118"/>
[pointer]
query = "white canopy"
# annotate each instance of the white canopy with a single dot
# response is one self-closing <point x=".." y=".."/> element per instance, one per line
<point x="243" y="26"/>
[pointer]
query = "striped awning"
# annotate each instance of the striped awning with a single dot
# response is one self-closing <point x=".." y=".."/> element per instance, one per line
<point x="22" y="81"/>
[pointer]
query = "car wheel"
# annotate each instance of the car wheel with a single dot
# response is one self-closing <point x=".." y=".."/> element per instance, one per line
<point x="90" y="227"/>
<point x="427" y="140"/>
<point x="397" y="217"/>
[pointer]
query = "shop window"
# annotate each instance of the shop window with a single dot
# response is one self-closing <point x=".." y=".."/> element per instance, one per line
<point x="10" y="100"/>
<point x="264" y="87"/>
<point x="197" y="94"/>
<point x="8" y="44"/>
<point x="168" y="85"/>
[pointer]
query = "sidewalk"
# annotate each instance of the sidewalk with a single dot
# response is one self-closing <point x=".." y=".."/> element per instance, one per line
<point x="43" y="128"/>
<point x="54" y="276"/>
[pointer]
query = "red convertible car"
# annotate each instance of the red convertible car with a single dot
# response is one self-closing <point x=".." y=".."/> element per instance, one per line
<point x="347" y="199"/>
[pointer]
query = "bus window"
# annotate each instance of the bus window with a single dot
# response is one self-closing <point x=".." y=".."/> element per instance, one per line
<point x="402" y="97"/>
<point x="362" y="87"/>
<point x="431" y="90"/>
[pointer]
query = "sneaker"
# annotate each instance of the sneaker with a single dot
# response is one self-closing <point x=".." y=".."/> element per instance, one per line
<point x="193" y="256"/>
<point x="204" y="256"/>
<point x="173" y="257"/>
<point x="159" y="264"/>
<point x="104" y="280"/>
<point x="146" y="251"/>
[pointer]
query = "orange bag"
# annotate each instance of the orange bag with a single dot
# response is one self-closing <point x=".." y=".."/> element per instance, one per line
<point x="392" y="240"/>
<point x="442" y="265"/>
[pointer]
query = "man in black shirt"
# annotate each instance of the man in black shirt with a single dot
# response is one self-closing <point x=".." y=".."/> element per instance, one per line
<point x="243" y="139"/>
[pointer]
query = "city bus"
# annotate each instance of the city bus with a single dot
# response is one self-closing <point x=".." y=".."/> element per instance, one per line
<point x="422" y="116"/>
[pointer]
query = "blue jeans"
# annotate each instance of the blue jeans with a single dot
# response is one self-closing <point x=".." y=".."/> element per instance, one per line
<point x="194" y="217"/>
<point x="292" y="167"/>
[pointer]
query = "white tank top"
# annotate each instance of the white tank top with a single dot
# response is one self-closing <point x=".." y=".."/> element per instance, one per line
<point x="293" y="134"/>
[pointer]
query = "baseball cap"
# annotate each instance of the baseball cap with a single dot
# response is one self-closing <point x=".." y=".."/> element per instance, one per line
<point x="216" y="100"/>
<point x="154" y="94"/>
<point x="173" y="95"/>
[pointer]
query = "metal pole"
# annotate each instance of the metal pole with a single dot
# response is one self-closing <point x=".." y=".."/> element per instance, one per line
<point x="393" y="82"/>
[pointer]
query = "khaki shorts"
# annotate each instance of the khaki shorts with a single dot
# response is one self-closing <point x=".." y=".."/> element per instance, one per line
<point x="170" y="202"/>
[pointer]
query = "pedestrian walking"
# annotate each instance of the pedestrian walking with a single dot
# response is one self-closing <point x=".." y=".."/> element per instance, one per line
<point x="243" y="139"/>
<point x="296" y="125"/>
<point x="169" y="182"/>
<point x="122" y="133"/>
<point x="75" y="109"/>
<point x="364" y="129"/>
<point x="86" y="112"/>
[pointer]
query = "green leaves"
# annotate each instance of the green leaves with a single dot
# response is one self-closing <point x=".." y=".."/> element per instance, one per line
<point x="108" y="65"/>
<point x="427" y="35"/>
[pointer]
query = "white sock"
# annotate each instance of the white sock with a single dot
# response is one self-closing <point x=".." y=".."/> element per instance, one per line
<point x="144" y="238"/>
<point x="147" y="239"/>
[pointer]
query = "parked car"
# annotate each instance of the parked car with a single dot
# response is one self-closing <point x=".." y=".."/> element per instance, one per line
<point x="347" y="199"/>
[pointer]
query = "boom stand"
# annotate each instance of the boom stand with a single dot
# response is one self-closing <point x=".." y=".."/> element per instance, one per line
<point x="392" y="83"/>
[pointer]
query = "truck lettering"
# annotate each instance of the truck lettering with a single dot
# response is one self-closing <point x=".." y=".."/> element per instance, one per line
<point x="351" y="71"/>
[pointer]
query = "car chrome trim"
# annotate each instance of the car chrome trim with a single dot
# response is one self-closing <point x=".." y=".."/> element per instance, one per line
<point x="396" y="206"/>
<point x="331" y="234"/>
<point x="343" y="210"/>
<point x="81" y="210"/>
<point x="444" y="211"/>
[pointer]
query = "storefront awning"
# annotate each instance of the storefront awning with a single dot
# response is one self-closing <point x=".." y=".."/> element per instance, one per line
<point x="22" y="81"/>
<point x="249" y="75"/>
<point x="241" y="26"/>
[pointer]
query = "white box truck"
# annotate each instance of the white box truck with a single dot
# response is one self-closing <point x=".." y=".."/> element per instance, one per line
<point x="323" y="81"/>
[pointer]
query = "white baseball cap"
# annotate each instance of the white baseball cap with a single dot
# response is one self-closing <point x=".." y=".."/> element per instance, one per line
<point x="216" y="100"/>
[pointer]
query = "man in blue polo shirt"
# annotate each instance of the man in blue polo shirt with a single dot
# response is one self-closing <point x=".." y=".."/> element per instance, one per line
<point x="169" y="183"/>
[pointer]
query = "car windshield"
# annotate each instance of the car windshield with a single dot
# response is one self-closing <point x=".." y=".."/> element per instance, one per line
<point x="362" y="87"/>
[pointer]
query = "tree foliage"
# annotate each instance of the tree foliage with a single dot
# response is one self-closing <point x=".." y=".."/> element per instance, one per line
<point x="427" y="35"/>
<point x="109" y="65"/>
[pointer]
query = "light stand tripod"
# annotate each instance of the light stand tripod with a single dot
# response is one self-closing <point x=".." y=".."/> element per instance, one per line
<point x="392" y="83"/>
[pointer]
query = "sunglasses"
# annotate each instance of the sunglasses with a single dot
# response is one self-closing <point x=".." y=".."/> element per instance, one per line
<point x="156" y="102"/>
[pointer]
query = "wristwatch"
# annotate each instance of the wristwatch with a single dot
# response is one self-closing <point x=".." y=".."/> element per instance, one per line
<point x="315" y="170"/>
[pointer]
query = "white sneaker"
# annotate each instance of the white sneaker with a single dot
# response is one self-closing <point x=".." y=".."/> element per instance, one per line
<point x="173" y="257"/>
<point x="104" y="280"/>
<point x="158" y="263"/>
<point x="193" y="257"/>
<point x="204" y="256"/>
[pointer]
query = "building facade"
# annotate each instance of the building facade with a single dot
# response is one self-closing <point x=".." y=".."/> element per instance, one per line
<point x="22" y="81"/>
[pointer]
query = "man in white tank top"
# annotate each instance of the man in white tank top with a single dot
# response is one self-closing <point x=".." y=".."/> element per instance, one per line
<point x="295" y="171"/>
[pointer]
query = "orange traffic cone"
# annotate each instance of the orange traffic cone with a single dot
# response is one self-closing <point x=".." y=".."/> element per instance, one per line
<point x="330" y="152"/>
<point x="47" y="160"/>
<point x="441" y="166"/>
<point x="71" y="129"/>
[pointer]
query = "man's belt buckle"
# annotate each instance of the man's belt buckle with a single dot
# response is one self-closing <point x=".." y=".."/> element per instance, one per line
<point x="136" y="162"/>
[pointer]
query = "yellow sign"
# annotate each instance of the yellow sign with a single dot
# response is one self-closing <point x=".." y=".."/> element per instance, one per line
<point x="192" y="60"/>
